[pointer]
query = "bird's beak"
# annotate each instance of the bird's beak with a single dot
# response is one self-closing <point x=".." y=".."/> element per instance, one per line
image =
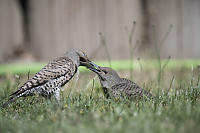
<point x="95" y="68"/>
<point x="98" y="71"/>
<point x="90" y="65"/>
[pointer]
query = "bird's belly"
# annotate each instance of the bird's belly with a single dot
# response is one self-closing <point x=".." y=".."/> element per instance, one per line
<point x="49" y="88"/>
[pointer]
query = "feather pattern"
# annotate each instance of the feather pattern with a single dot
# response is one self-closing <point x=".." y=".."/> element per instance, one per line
<point x="114" y="86"/>
<point x="129" y="89"/>
<point x="57" y="72"/>
<point x="48" y="80"/>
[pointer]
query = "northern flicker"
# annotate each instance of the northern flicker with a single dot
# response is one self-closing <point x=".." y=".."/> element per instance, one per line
<point x="114" y="86"/>
<point x="49" y="80"/>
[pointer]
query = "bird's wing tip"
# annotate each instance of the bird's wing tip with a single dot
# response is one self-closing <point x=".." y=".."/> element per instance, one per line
<point x="4" y="105"/>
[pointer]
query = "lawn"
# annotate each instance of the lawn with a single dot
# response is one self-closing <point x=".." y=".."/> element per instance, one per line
<point x="83" y="108"/>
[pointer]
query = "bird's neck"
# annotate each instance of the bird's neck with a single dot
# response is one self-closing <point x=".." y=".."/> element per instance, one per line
<point x="109" y="83"/>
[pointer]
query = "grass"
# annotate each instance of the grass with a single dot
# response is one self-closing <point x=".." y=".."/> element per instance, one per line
<point x="117" y="65"/>
<point x="176" y="109"/>
<point x="83" y="108"/>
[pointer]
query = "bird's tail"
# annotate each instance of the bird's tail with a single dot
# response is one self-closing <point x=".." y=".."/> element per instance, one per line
<point x="14" y="96"/>
<point x="12" y="99"/>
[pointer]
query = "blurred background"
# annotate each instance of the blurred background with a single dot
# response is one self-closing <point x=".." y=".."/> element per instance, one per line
<point x="39" y="30"/>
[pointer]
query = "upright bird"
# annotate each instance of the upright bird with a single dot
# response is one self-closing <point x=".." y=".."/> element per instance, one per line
<point x="114" y="86"/>
<point x="49" y="80"/>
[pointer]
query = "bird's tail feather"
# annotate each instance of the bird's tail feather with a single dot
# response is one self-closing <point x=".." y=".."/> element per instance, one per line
<point x="12" y="99"/>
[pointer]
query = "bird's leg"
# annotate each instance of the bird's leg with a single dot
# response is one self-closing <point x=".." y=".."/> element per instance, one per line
<point x="57" y="94"/>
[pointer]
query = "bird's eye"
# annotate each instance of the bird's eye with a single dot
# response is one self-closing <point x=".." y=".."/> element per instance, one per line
<point x="105" y="71"/>
<point x="82" y="59"/>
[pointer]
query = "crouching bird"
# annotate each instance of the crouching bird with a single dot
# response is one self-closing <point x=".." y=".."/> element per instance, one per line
<point x="114" y="86"/>
<point x="49" y="80"/>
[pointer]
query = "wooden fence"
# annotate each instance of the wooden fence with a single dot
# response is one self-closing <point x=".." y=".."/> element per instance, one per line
<point x="48" y="28"/>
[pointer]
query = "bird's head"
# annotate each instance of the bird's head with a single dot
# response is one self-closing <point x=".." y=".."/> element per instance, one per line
<point x="80" y="58"/>
<point x="107" y="76"/>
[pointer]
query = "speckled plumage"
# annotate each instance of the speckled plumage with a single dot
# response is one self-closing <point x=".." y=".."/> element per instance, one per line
<point x="114" y="86"/>
<point x="129" y="89"/>
<point x="49" y="80"/>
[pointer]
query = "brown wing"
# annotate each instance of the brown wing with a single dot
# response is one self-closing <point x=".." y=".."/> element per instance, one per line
<point x="129" y="89"/>
<point x="52" y="70"/>
<point x="124" y="80"/>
